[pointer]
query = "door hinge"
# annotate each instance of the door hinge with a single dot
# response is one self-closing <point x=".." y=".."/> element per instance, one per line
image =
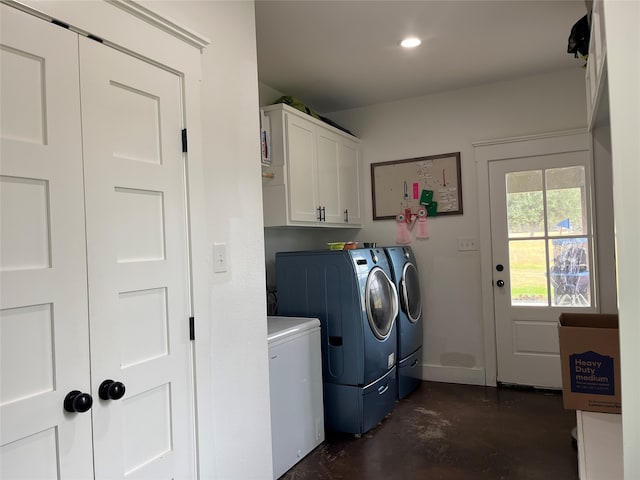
<point x="93" y="37"/>
<point x="192" y="328"/>
<point x="184" y="140"/>
<point x="59" y="23"/>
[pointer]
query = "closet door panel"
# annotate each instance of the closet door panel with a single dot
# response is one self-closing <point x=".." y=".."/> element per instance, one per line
<point x="139" y="304"/>
<point x="44" y="351"/>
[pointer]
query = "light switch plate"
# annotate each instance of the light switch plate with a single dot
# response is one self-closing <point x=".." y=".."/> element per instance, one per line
<point x="219" y="257"/>
<point x="467" y="244"/>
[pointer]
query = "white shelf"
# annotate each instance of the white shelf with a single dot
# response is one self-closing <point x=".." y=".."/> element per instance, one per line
<point x="599" y="446"/>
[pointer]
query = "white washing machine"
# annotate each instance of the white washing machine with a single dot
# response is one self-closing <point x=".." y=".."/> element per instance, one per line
<point x="295" y="383"/>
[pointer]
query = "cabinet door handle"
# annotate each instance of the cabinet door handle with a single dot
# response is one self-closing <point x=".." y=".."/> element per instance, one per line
<point x="319" y="209"/>
<point x="346" y="216"/>
<point x="324" y="215"/>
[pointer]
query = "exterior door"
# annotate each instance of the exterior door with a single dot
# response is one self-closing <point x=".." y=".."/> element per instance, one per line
<point x="542" y="249"/>
<point x="44" y="351"/>
<point x="137" y="257"/>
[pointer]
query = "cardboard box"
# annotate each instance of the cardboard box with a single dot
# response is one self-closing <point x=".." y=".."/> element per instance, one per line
<point x="590" y="358"/>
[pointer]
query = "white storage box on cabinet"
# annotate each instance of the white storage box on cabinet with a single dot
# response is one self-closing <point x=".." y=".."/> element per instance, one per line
<point x="295" y="384"/>
<point x="316" y="173"/>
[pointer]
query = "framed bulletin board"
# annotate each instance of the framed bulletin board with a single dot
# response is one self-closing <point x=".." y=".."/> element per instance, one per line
<point x="400" y="184"/>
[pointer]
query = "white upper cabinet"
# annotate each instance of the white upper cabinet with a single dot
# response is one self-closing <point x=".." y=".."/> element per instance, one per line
<point x="316" y="173"/>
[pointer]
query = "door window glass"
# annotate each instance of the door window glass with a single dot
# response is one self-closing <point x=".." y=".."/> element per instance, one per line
<point x="381" y="303"/>
<point x="569" y="272"/>
<point x="566" y="208"/>
<point x="525" y="206"/>
<point x="548" y="242"/>
<point x="528" y="268"/>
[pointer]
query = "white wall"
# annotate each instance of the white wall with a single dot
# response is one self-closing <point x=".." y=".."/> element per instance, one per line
<point x="238" y="359"/>
<point x="267" y="95"/>
<point x="623" y="38"/>
<point x="450" y="122"/>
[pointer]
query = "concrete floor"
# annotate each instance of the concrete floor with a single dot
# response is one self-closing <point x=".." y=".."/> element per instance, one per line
<point x="455" y="432"/>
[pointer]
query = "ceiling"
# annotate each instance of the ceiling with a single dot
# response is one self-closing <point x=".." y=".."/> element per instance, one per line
<point x="340" y="54"/>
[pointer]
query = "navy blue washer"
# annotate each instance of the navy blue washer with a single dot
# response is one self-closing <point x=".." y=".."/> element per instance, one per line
<point x="352" y="294"/>
<point x="410" y="324"/>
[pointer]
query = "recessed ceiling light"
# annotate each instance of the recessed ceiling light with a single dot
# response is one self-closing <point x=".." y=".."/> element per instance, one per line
<point x="410" y="42"/>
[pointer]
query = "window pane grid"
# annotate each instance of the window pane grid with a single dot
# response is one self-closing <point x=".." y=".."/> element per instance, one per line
<point x="548" y="237"/>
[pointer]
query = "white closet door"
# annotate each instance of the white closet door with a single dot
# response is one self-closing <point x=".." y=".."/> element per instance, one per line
<point x="44" y="351"/>
<point x="137" y="254"/>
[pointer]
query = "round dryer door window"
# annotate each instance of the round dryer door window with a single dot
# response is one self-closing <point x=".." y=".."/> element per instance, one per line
<point x="382" y="303"/>
<point x="410" y="291"/>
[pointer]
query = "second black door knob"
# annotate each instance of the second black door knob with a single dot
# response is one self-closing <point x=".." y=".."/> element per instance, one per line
<point x="110" y="390"/>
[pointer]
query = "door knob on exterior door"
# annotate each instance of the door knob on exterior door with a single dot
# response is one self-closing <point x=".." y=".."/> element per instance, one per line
<point x="77" y="402"/>
<point x="110" y="390"/>
<point x="500" y="283"/>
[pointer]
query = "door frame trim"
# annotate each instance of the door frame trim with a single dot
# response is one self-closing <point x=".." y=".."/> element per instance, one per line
<point x="133" y="8"/>
<point x="501" y="149"/>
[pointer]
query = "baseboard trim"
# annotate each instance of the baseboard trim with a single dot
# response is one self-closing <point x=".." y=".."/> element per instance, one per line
<point x="448" y="374"/>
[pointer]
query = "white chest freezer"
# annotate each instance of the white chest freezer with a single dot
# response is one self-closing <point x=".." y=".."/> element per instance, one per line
<point x="295" y="381"/>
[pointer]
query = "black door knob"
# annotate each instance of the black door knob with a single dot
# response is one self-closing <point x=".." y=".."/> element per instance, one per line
<point x="110" y="390"/>
<point x="499" y="267"/>
<point x="500" y="283"/>
<point x="76" y="401"/>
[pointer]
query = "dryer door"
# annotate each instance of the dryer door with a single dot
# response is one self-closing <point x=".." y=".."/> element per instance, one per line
<point x="381" y="299"/>
<point x="410" y="292"/>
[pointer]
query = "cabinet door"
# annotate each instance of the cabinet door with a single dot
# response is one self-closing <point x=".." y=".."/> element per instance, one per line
<point x="137" y="255"/>
<point x="301" y="166"/>
<point x="44" y="351"/>
<point x="328" y="177"/>
<point x="349" y="173"/>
